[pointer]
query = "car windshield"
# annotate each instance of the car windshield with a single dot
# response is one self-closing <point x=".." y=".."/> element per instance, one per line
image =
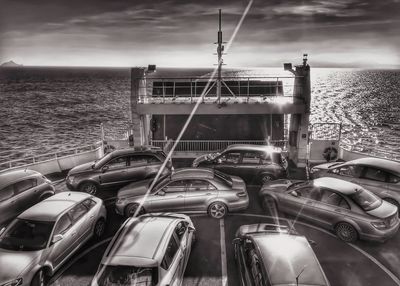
<point x="103" y="160"/>
<point x="120" y="275"/>
<point x="366" y="200"/>
<point x="26" y="235"/>
<point x="161" y="181"/>
<point x="295" y="185"/>
<point x="224" y="178"/>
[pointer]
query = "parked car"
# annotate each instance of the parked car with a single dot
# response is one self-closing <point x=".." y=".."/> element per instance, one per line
<point x="256" y="164"/>
<point x="39" y="241"/>
<point x="268" y="254"/>
<point x="147" y="250"/>
<point x="188" y="190"/>
<point x="117" y="168"/>
<point x="380" y="176"/>
<point x="344" y="207"/>
<point x="21" y="189"/>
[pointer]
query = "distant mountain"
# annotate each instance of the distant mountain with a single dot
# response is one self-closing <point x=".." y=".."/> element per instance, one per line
<point x="10" y="64"/>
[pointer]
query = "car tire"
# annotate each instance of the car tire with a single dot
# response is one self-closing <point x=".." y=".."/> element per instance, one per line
<point x="346" y="232"/>
<point x="266" y="178"/>
<point x="99" y="228"/>
<point x="217" y="210"/>
<point x="89" y="187"/>
<point x="40" y="279"/>
<point x="393" y="202"/>
<point x="130" y="210"/>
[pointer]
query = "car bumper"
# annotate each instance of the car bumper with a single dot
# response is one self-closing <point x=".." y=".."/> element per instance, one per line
<point x="239" y="205"/>
<point x="380" y="235"/>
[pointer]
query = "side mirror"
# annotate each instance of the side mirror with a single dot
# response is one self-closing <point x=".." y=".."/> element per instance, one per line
<point x="57" y="238"/>
<point x="236" y="241"/>
<point x="104" y="169"/>
<point x="161" y="193"/>
<point x="294" y="194"/>
<point x="191" y="229"/>
<point x="2" y="230"/>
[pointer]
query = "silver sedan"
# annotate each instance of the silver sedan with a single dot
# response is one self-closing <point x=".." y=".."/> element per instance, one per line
<point x="190" y="190"/>
<point x="41" y="239"/>
<point x="346" y="208"/>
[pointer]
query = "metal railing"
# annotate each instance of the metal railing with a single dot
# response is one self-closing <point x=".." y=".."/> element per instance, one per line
<point x="210" y="145"/>
<point x="48" y="156"/>
<point x="242" y="89"/>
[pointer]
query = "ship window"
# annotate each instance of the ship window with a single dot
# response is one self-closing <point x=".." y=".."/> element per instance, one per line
<point x="375" y="174"/>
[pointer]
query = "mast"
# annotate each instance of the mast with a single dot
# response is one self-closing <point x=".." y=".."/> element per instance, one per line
<point x="220" y="50"/>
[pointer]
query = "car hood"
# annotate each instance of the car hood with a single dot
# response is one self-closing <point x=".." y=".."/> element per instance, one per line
<point x="81" y="168"/>
<point x="385" y="210"/>
<point x="327" y="166"/>
<point x="14" y="263"/>
<point x="134" y="189"/>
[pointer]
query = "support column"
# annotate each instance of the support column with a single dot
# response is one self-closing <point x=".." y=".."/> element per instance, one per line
<point x="138" y="91"/>
<point x="298" y="130"/>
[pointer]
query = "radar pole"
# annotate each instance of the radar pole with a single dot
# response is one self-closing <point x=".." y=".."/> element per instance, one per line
<point x="220" y="50"/>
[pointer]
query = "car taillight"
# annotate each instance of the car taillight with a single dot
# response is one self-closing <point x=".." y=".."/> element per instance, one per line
<point x="379" y="224"/>
<point x="241" y="194"/>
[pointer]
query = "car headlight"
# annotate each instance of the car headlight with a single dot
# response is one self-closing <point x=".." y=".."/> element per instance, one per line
<point x="15" y="282"/>
<point x="379" y="224"/>
<point x="314" y="170"/>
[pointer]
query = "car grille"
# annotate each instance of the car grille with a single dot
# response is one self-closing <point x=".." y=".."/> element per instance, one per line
<point x="392" y="220"/>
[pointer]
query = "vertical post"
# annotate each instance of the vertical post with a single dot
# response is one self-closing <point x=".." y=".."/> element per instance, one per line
<point x="137" y="79"/>
<point x="219" y="52"/>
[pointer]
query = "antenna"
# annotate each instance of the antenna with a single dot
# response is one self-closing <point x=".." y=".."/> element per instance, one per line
<point x="297" y="277"/>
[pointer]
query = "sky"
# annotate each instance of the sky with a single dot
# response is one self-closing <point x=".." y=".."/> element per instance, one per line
<point x="337" y="33"/>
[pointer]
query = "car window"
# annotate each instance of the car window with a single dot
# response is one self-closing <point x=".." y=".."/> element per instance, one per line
<point x="348" y="171"/>
<point x="180" y="229"/>
<point x="89" y="203"/>
<point x="63" y="224"/>
<point x="198" y="185"/>
<point x="175" y="186"/>
<point x="117" y="163"/>
<point x="334" y="199"/>
<point x="229" y="158"/>
<point x="140" y="160"/>
<point x="77" y="212"/>
<point x="265" y="158"/>
<point x="251" y="158"/>
<point x="170" y="253"/>
<point x="309" y="192"/>
<point x="374" y="174"/>
<point x="6" y="193"/>
<point x="25" y="185"/>
<point x="393" y="179"/>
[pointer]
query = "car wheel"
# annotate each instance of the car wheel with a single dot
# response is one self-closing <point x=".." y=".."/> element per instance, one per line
<point x="217" y="210"/>
<point x="266" y="178"/>
<point x="39" y="279"/>
<point x="346" y="232"/>
<point x="99" y="228"/>
<point x="89" y="187"/>
<point x="395" y="203"/>
<point x="131" y="209"/>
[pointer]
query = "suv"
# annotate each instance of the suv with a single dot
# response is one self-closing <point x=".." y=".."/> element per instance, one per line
<point x="147" y="250"/>
<point x="40" y="240"/>
<point x="380" y="176"/>
<point x="21" y="189"/>
<point x="271" y="255"/>
<point x="256" y="164"/>
<point x="117" y="169"/>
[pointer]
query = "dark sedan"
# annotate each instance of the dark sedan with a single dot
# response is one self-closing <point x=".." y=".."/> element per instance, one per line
<point x="346" y="208"/>
<point x="117" y="168"/>
<point x="256" y="164"/>
<point x="190" y="190"/>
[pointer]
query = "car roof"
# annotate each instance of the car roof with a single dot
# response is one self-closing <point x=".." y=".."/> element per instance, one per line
<point x="198" y="173"/>
<point x="285" y="256"/>
<point x="139" y="149"/>
<point x="341" y="186"/>
<point x="378" y="162"/>
<point x="142" y="241"/>
<point x="9" y="177"/>
<point x="51" y="208"/>
<point x="253" y="147"/>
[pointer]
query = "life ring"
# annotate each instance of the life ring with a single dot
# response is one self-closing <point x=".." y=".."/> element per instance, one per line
<point x="330" y="153"/>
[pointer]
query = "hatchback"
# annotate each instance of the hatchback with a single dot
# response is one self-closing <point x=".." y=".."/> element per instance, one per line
<point x="39" y="241"/>
<point x="346" y="208"/>
<point x="148" y="250"/>
<point x="273" y="255"/>
<point x="380" y="176"/>
<point x="21" y="189"/>
<point x="256" y="164"/>
<point x="117" y="168"/>
<point x="188" y="190"/>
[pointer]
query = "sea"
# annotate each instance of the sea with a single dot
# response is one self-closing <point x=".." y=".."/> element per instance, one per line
<point x="50" y="109"/>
